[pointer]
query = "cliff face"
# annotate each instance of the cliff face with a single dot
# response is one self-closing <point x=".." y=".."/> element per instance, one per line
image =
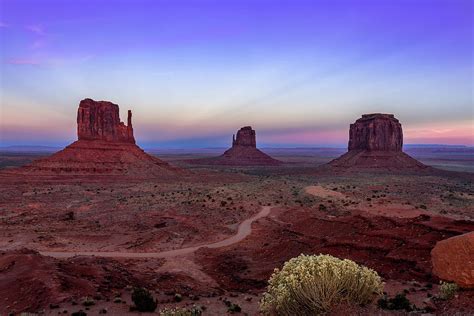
<point x="100" y="120"/>
<point x="376" y="132"/>
<point x="375" y="142"/>
<point x="245" y="137"/>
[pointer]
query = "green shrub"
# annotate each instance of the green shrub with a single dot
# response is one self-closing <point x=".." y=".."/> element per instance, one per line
<point x="447" y="290"/>
<point x="309" y="285"/>
<point x="143" y="300"/>
<point x="178" y="311"/>
<point x="178" y="297"/>
<point x="234" y="308"/>
<point x="398" y="302"/>
<point x="88" y="301"/>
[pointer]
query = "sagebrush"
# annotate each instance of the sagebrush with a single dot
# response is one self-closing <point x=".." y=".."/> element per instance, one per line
<point x="313" y="284"/>
<point x="447" y="290"/>
<point x="181" y="311"/>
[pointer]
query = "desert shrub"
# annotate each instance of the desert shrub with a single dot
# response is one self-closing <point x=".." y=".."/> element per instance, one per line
<point x="178" y="297"/>
<point x="309" y="285"/>
<point x="400" y="301"/>
<point x="232" y="307"/>
<point x="88" y="301"/>
<point x="143" y="300"/>
<point x="179" y="311"/>
<point x="447" y="290"/>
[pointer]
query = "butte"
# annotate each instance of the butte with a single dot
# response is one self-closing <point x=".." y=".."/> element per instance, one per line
<point x="375" y="142"/>
<point x="244" y="152"/>
<point x="105" y="146"/>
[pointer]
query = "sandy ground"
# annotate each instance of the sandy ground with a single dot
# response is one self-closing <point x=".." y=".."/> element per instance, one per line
<point x="244" y="229"/>
<point x="219" y="224"/>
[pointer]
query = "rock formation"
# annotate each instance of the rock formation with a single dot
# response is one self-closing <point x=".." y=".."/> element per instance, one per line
<point x="375" y="141"/>
<point x="243" y="152"/>
<point x="453" y="260"/>
<point x="245" y="137"/>
<point x="105" y="145"/>
<point x="100" y="120"/>
<point x="376" y="132"/>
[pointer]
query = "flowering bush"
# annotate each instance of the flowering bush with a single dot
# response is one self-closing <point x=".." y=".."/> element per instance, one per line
<point x="447" y="290"/>
<point x="309" y="285"/>
<point x="181" y="311"/>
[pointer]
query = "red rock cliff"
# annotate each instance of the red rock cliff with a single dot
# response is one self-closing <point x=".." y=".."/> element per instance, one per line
<point x="100" y="120"/>
<point x="376" y="132"/>
<point x="245" y="137"/>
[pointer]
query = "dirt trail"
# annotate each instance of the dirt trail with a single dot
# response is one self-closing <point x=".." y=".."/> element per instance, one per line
<point x="320" y="191"/>
<point x="244" y="229"/>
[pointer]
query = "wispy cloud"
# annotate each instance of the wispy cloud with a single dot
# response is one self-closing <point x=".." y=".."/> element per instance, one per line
<point x="22" y="61"/>
<point x="4" y="25"/>
<point x="38" y="44"/>
<point x="37" y="29"/>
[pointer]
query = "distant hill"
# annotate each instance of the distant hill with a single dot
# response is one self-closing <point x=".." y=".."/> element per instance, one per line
<point x="29" y="149"/>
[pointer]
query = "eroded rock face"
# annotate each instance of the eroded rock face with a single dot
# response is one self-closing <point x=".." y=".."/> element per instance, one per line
<point x="244" y="152"/>
<point x="100" y="120"/>
<point x="375" y="142"/>
<point x="376" y="132"/>
<point x="453" y="260"/>
<point x="245" y="137"/>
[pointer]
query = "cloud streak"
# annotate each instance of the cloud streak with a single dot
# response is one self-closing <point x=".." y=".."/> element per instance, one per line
<point x="23" y="61"/>
<point x="36" y="29"/>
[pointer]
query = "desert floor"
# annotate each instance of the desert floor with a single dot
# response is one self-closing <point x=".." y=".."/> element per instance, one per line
<point x="216" y="234"/>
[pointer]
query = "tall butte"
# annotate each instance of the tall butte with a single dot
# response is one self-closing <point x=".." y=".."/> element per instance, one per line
<point x="244" y="152"/>
<point x="375" y="142"/>
<point x="105" y="145"/>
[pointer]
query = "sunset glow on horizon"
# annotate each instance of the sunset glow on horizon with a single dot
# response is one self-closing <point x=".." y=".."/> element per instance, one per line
<point x="194" y="72"/>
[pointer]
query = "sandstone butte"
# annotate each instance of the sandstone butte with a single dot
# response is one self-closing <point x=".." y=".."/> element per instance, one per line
<point x="105" y="145"/>
<point x="375" y="142"/>
<point x="244" y="152"/>
<point x="453" y="260"/>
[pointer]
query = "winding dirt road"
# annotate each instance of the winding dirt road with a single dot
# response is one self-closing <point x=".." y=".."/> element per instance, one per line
<point x="244" y="229"/>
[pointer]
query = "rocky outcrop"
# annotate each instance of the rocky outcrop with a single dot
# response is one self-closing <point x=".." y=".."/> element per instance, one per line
<point x="42" y="280"/>
<point x="100" y="120"/>
<point x="376" y="132"/>
<point x="453" y="260"/>
<point x="245" y="137"/>
<point x="105" y="146"/>
<point x="243" y="152"/>
<point x="375" y="142"/>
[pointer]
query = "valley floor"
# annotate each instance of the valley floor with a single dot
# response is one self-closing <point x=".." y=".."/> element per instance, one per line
<point x="216" y="235"/>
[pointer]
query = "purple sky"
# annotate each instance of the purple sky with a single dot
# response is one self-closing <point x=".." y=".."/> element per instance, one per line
<point x="193" y="72"/>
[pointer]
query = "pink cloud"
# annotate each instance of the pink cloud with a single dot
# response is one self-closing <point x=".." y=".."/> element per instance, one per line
<point x="22" y="61"/>
<point x="3" y="25"/>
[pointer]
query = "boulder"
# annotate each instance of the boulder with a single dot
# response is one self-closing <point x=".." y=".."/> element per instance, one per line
<point x="453" y="260"/>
